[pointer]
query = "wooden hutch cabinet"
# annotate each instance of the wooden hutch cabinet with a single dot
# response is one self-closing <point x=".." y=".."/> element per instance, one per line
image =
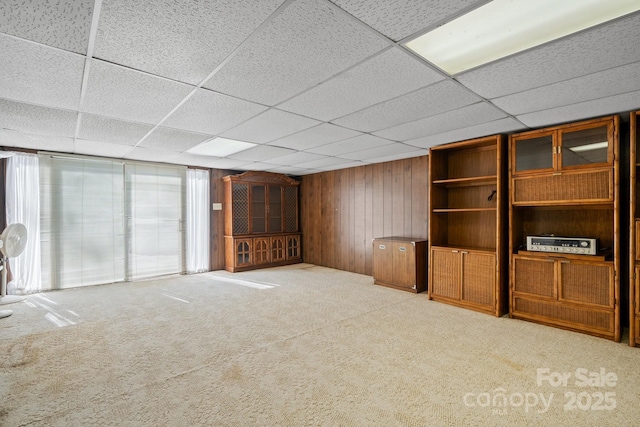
<point x="634" y="234"/>
<point x="564" y="183"/>
<point x="400" y="263"/>
<point x="260" y="221"/>
<point x="467" y="225"/>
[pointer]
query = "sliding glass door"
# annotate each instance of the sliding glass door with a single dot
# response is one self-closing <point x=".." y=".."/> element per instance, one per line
<point x="105" y="221"/>
<point x="155" y="208"/>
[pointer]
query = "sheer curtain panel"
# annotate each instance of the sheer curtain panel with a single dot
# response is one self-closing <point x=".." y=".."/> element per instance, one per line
<point x="197" y="220"/>
<point x="23" y="206"/>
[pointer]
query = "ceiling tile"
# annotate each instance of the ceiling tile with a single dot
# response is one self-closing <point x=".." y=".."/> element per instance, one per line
<point x="210" y="112"/>
<point x="324" y="162"/>
<point x="207" y="161"/>
<point x="39" y="75"/>
<point x="103" y="149"/>
<point x="38" y="120"/>
<point x="505" y="125"/>
<point x="173" y="140"/>
<point x="126" y="94"/>
<point x="587" y="52"/>
<point x="180" y="39"/>
<point x="151" y="155"/>
<point x="261" y="153"/>
<point x="63" y="24"/>
<point x="470" y="115"/>
<point x="336" y="165"/>
<point x="358" y="143"/>
<point x="598" y="85"/>
<point x="258" y="166"/>
<point x="104" y="129"/>
<point x="583" y="110"/>
<point x="392" y="73"/>
<point x="9" y="138"/>
<point x="291" y="170"/>
<point x="398" y="20"/>
<point x="382" y="151"/>
<point x="295" y="159"/>
<point x="399" y="156"/>
<point x="303" y="46"/>
<point x="435" y="99"/>
<point x="269" y="126"/>
<point x="317" y="135"/>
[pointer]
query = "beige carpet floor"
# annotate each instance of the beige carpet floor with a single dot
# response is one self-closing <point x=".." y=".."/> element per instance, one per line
<point x="297" y="346"/>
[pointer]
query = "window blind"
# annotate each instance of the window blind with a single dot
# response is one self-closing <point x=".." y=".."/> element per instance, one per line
<point x="155" y="210"/>
<point x="81" y="221"/>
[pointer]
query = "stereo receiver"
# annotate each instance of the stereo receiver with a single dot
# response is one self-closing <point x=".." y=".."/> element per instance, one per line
<point x="567" y="245"/>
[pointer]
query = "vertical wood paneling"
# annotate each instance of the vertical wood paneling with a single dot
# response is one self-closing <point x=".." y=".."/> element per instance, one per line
<point x="368" y="219"/>
<point x="359" y="220"/>
<point x="327" y="229"/>
<point x="344" y="210"/>
<point x="419" y="196"/>
<point x="378" y="200"/>
<point x="408" y="200"/>
<point x="216" y="195"/>
<point x="310" y="215"/>
<point x="339" y="235"/>
<point x="387" y="199"/>
<point x="397" y="180"/>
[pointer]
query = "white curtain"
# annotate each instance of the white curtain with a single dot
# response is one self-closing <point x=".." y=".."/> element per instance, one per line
<point x="197" y="221"/>
<point x="23" y="206"/>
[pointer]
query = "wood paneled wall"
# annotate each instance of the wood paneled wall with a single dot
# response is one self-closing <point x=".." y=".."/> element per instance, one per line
<point x="342" y="211"/>
<point x="216" y="249"/>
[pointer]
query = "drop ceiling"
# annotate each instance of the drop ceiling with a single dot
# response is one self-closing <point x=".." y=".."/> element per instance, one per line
<point x="318" y="85"/>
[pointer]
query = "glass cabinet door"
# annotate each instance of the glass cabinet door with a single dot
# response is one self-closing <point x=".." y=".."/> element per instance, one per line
<point x="275" y="208"/>
<point x="534" y="153"/>
<point x="258" y="209"/>
<point x="588" y="146"/>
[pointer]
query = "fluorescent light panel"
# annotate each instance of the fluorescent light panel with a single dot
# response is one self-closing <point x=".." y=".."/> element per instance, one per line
<point x="220" y="147"/>
<point x="504" y="27"/>
<point x="589" y="147"/>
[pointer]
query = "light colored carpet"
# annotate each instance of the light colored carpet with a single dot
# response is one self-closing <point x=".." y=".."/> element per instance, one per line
<point x="295" y="346"/>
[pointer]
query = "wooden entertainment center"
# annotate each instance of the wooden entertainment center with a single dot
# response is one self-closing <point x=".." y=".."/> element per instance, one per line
<point x="260" y="221"/>
<point x="564" y="181"/>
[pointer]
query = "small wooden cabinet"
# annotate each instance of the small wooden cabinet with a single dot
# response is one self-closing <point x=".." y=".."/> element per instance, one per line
<point x="261" y="221"/>
<point x="400" y="263"/>
<point x="467" y="224"/>
<point x="564" y="182"/>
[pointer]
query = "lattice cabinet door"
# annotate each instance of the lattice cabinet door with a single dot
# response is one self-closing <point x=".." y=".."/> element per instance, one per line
<point x="277" y="249"/>
<point x="446" y="273"/>
<point x="243" y="252"/>
<point x="586" y="283"/>
<point x="479" y="278"/>
<point x="240" y="203"/>
<point x="534" y="276"/>
<point x="290" y="209"/>
<point x="293" y="247"/>
<point x="261" y="251"/>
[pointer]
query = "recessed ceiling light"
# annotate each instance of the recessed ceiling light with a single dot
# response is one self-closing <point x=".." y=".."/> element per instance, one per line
<point x="220" y="147"/>
<point x="504" y="27"/>
<point x="589" y="147"/>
